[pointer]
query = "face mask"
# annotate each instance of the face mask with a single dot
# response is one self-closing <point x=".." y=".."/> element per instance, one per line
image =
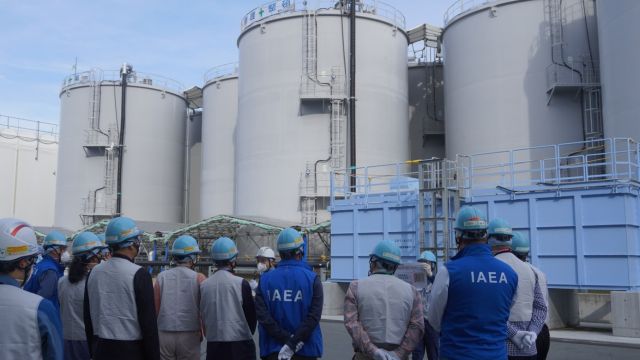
<point x="65" y="258"/>
<point x="262" y="267"/>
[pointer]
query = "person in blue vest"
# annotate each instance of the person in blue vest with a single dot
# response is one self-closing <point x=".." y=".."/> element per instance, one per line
<point x="31" y="324"/>
<point x="472" y="295"/>
<point x="227" y="307"/>
<point x="430" y="341"/>
<point x="289" y="304"/>
<point x="119" y="312"/>
<point x="87" y="253"/>
<point x="48" y="271"/>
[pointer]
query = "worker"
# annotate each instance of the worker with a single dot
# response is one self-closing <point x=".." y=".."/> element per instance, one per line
<point x="31" y="324"/>
<point x="520" y="247"/>
<point x="472" y="295"/>
<point x="289" y="303"/>
<point x="430" y="341"/>
<point x="265" y="261"/>
<point x="529" y="309"/>
<point x="119" y="312"/>
<point x="87" y="253"/>
<point x="382" y="313"/>
<point x="177" y="298"/>
<point x="46" y="273"/>
<point x="227" y="307"/>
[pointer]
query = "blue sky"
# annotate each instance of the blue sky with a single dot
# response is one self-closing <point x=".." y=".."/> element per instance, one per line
<point x="40" y="40"/>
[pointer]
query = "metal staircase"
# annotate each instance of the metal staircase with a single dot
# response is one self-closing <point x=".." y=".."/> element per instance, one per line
<point x="439" y="195"/>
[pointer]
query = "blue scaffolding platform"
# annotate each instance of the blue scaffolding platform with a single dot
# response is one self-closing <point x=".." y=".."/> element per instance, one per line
<point x="579" y="204"/>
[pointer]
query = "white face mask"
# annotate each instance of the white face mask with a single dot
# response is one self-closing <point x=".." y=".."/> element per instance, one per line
<point x="262" y="268"/>
<point x="65" y="257"/>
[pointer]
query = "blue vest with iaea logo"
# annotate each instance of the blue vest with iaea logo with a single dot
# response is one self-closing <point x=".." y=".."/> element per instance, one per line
<point x="33" y="284"/>
<point x="287" y="292"/>
<point x="481" y="291"/>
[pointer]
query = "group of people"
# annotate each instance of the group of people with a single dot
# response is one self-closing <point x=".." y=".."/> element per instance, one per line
<point x="485" y="303"/>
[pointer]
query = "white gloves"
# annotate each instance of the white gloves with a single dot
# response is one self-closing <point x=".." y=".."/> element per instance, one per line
<point x="518" y="339"/>
<point x="253" y="284"/>
<point x="286" y="353"/>
<point x="524" y="339"/>
<point x="529" y="339"/>
<point x="382" y="354"/>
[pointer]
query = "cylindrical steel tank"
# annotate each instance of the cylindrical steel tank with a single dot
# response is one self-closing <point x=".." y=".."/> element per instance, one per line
<point x="219" y="115"/>
<point x="153" y="167"/>
<point x="290" y="119"/>
<point x="618" y="30"/>
<point x="426" y="110"/>
<point x="505" y="87"/>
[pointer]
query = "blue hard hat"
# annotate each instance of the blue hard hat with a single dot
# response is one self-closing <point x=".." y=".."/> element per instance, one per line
<point x="499" y="226"/>
<point x="388" y="251"/>
<point x="470" y="219"/>
<point x="102" y="239"/>
<point x="427" y="256"/>
<point x="85" y="242"/>
<point x="224" y="249"/>
<point x="54" y="238"/>
<point x="120" y="230"/>
<point x="520" y="244"/>
<point x="185" y="245"/>
<point x="289" y="239"/>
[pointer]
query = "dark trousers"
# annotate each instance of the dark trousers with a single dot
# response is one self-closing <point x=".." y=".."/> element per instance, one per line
<point x="543" y="342"/>
<point x="430" y="341"/>
<point x="232" y="350"/>
<point x="274" y="356"/>
<point x="533" y="357"/>
<point x="104" y="349"/>
<point x="76" y="350"/>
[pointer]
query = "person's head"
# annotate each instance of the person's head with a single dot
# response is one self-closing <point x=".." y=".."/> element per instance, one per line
<point x="385" y="258"/>
<point x="106" y="253"/>
<point x="224" y="253"/>
<point x="265" y="259"/>
<point x="520" y="246"/>
<point x="429" y="257"/>
<point x="18" y="248"/>
<point x="471" y="227"/>
<point x="185" y="251"/>
<point x="500" y="234"/>
<point x="123" y="237"/>
<point x="290" y="244"/>
<point x="55" y="245"/>
<point x="87" y="253"/>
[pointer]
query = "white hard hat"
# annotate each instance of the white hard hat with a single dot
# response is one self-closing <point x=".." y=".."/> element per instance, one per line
<point x="17" y="240"/>
<point x="266" y="252"/>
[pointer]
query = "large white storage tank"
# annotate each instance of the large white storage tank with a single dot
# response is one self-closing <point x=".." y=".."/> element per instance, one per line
<point x="28" y="154"/>
<point x="292" y="111"/>
<point x="153" y="166"/>
<point x="219" y="115"/>
<point x="618" y="30"/>
<point x="514" y="71"/>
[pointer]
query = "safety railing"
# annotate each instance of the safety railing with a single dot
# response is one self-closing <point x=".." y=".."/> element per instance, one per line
<point x="136" y="77"/>
<point x="220" y="71"/>
<point x="573" y="73"/>
<point x="601" y="160"/>
<point x="278" y="7"/>
<point x="462" y="6"/>
<point x="12" y="127"/>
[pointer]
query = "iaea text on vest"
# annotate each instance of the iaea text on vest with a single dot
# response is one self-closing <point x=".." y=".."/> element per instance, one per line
<point x="285" y="296"/>
<point x="491" y="277"/>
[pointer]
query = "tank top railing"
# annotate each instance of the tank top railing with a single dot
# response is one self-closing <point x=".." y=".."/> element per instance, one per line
<point x="462" y="6"/>
<point x="113" y="76"/>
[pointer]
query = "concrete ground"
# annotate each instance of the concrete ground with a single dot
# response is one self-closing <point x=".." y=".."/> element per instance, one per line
<point x="565" y="345"/>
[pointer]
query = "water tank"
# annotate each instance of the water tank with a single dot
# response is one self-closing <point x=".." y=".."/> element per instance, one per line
<point x="292" y="106"/>
<point x="219" y="115"/>
<point x="153" y="164"/>
<point x="28" y="154"/>
<point x="514" y="72"/>
<point x="618" y="30"/>
<point x="426" y="110"/>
